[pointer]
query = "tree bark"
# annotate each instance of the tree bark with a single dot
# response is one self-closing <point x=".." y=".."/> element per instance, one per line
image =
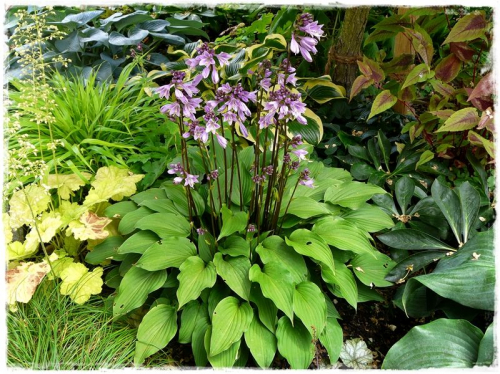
<point x="348" y="47"/>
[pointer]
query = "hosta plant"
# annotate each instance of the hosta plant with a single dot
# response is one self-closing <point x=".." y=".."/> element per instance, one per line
<point x="239" y="255"/>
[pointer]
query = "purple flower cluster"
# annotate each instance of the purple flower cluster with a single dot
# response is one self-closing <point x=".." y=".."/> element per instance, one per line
<point x="305" y="179"/>
<point x="182" y="175"/>
<point x="183" y="102"/>
<point x="305" y="44"/>
<point x="286" y="105"/>
<point x="206" y="57"/>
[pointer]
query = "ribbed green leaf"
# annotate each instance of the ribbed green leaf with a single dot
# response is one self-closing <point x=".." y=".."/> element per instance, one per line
<point x="352" y="194"/>
<point x="171" y="252"/>
<point x="261" y="342"/>
<point x="332" y="338"/>
<point x="449" y="203"/>
<point x="373" y="270"/>
<point x="369" y="218"/>
<point x="194" y="277"/>
<point x="305" y="207"/>
<point x="309" y="305"/>
<point x="234" y="271"/>
<point x="470" y="204"/>
<point x="295" y="343"/>
<point x="410" y="239"/>
<point x="405" y="187"/>
<point x="139" y="242"/>
<point x="232" y="222"/>
<point x="312" y="245"/>
<point x="267" y="310"/>
<point x="224" y="359"/>
<point x="192" y="312"/>
<point x="165" y="224"/>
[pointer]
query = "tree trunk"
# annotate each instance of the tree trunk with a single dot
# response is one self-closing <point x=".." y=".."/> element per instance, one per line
<point x="348" y="47"/>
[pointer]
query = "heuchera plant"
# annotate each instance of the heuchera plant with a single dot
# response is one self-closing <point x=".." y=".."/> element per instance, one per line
<point x="250" y="239"/>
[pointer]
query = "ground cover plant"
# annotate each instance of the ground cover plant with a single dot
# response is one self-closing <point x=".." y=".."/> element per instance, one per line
<point x="250" y="187"/>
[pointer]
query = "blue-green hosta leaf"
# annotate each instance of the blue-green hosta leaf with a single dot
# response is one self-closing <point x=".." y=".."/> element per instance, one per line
<point x="231" y="319"/>
<point x="309" y="305"/>
<point x="312" y="245"/>
<point x="156" y="330"/>
<point x="171" y="252"/>
<point x="344" y="235"/>
<point x="139" y="242"/>
<point x="352" y="194"/>
<point x="232" y="222"/>
<point x="135" y="37"/>
<point x="373" y="270"/>
<point x="410" y="239"/>
<point x="369" y="218"/>
<point x="79" y="19"/>
<point x="194" y="277"/>
<point x="261" y="342"/>
<point x="356" y="355"/>
<point x="224" y="359"/>
<point x="165" y="225"/>
<point x="276" y="284"/>
<point x="470" y="203"/>
<point x="295" y="343"/>
<point x="274" y="248"/>
<point x="486" y="352"/>
<point x="445" y="343"/>
<point x="234" y="271"/>
<point x="135" y="287"/>
<point x="449" y="203"/>
<point x="331" y="338"/>
<point x="94" y="35"/>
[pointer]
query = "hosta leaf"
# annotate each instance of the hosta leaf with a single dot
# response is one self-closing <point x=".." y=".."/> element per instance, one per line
<point x="352" y="194"/>
<point x="309" y="305"/>
<point x="384" y="101"/>
<point x="171" y="252"/>
<point x="232" y="222"/>
<point x="230" y="320"/>
<point x="194" y="277"/>
<point x="470" y="203"/>
<point x="295" y="343"/>
<point x="275" y="249"/>
<point x="138" y="243"/>
<point x="276" y="284"/>
<point x="235" y="246"/>
<point x="322" y="91"/>
<point x="312" y="245"/>
<point x="191" y="313"/>
<point x="135" y="287"/>
<point x="120" y="209"/>
<point x="370" y="217"/>
<point x="463" y="119"/>
<point x="267" y="310"/>
<point x="413" y="263"/>
<point x="486" y="352"/>
<point x="448" y="68"/>
<point x="127" y="223"/>
<point x="331" y="338"/>
<point x="344" y="280"/>
<point x="444" y="343"/>
<point x="412" y="240"/>
<point x="134" y="38"/>
<point x="165" y="225"/>
<point x="156" y="330"/>
<point x="372" y="271"/>
<point x="469" y="27"/>
<point x="449" y="203"/>
<point x="356" y="355"/>
<point x="107" y="249"/>
<point x="224" y="359"/>
<point x="150" y="194"/>
<point x="198" y="342"/>
<point x="261" y="342"/>
<point x="344" y="235"/>
<point x="234" y="271"/>
<point x="305" y="207"/>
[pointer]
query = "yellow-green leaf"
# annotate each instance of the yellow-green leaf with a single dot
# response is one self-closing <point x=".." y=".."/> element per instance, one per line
<point x="384" y="100"/>
<point x="79" y="283"/>
<point x="463" y="119"/>
<point x="470" y="27"/>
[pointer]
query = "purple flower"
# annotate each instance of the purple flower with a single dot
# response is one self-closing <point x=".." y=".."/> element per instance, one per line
<point x="301" y="154"/>
<point x="206" y="57"/>
<point x="178" y="180"/>
<point x="251" y="228"/>
<point x="222" y="141"/>
<point x="296" y="141"/>
<point x="176" y="169"/>
<point x="200" y="133"/>
<point x="243" y="130"/>
<point x="173" y="109"/>
<point x="305" y="45"/>
<point x="189" y="108"/>
<point x="191" y="180"/>
<point x="214" y="174"/>
<point x="201" y="231"/>
<point x="313" y="29"/>
<point x="305" y="179"/>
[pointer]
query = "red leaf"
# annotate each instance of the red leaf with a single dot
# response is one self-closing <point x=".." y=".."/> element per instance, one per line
<point x="462" y="51"/>
<point x="486" y="120"/>
<point x="422" y="43"/>
<point x="469" y="27"/>
<point x="481" y="103"/>
<point x="485" y="87"/>
<point x="448" y="68"/>
<point x="399" y="64"/>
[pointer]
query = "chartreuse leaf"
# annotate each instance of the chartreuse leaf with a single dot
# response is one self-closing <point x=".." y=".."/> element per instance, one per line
<point x="463" y="119"/>
<point x="165" y="225"/>
<point x="267" y="310"/>
<point x="352" y="194"/>
<point x="344" y="280"/>
<point x="384" y="101"/>
<point x="138" y="243"/>
<point x="312" y="245"/>
<point x="469" y="203"/>
<point x="305" y="207"/>
<point x="135" y="287"/>
<point x="231" y="319"/>
<point x="276" y="284"/>
<point x="234" y="271"/>
<point x="198" y="342"/>
<point x="261" y="342"/>
<point x="192" y="312"/>
<point x="410" y="239"/>
<point x="344" y="235"/>
<point x="416" y="75"/>
<point x="444" y="343"/>
<point x="156" y="330"/>
<point x="372" y="270"/>
<point x="405" y="187"/>
<point x="469" y="27"/>
<point x="425" y="157"/>
<point x="369" y="217"/>
<point x="295" y="343"/>
<point x="332" y="338"/>
<point x="449" y="203"/>
<point x="359" y="84"/>
<point x="486" y="353"/>
<point x="235" y="246"/>
<point x="274" y="248"/>
<point x="232" y="222"/>
<point x="310" y="306"/>
<point x="171" y="252"/>
<point x="224" y="359"/>
<point x="193" y="278"/>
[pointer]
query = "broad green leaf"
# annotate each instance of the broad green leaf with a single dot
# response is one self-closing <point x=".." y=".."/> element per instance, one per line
<point x="344" y="280"/>
<point x="128" y="222"/>
<point x="369" y="217"/>
<point x="267" y="310"/>
<point x="165" y="225"/>
<point x="275" y="249"/>
<point x="276" y="284"/>
<point x="344" y="235"/>
<point x="156" y="330"/>
<point x="230" y="320"/>
<point x="352" y="194"/>
<point x="405" y="187"/>
<point x="106" y="249"/>
<point x="410" y="239"/>
<point x="224" y="359"/>
<point x="171" y="252"/>
<point x="139" y="242"/>
<point x="309" y="305"/>
<point x="295" y="343"/>
<point x="416" y="75"/>
<point x="160" y="206"/>
<point x="425" y="157"/>
<point x="261" y="342"/>
<point x="486" y="352"/>
<point x="305" y="207"/>
<point x="384" y="101"/>
<point x="470" y="203"/>
<point x="332" y="338"/>
<point x="463" y="119"/>
<point x="216" y="294"/>
<point x="444" y="343"/>
<point x="198" y="342"/>
<point x="469" y="27"/>
<point x="385" y="147"/>
<point x="234" y="271"/>
<point x="232" y="222"/>
<point x="193" y="278"/>
<point x="235" y="246"/>
<point x="135" y="287"/>
<point x="191" y="313"/>
<point x="413" y="263"/>
<point x="322" y="90"/>
<point x="372" y="271"/>
<point x="312" y="245"/>
<point x="119" y="210"/>
<point x="449" y="203"/>
<point x="150" y="194"/>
